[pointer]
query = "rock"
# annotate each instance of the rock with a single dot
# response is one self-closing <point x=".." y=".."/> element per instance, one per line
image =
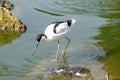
<point x="6" y="4"/>
<point x="72" y="71"/>
<point x="10" y="22"/>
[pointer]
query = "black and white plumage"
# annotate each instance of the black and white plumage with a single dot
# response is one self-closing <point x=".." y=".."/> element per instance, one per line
<point x="56" y="31"/>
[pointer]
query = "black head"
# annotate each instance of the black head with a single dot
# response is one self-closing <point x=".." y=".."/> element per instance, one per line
<point x="38" y="38"/>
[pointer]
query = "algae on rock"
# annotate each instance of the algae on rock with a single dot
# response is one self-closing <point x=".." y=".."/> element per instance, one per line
<point x="10" y="22"/>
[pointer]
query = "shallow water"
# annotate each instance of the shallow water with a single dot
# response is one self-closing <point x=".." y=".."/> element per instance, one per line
<point x="87" y="38"/>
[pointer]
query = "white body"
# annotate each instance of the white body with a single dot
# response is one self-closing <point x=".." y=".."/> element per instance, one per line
<point x="61" y="31"/>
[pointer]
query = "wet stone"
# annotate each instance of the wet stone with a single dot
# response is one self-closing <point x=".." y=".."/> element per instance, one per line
<point x="10" y="22"/>
<point x="7" y="20"/>
<point x="71" y="71"/>
<point x="6" y="4"/>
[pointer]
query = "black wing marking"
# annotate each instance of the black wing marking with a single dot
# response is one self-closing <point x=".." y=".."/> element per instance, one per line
<point x="56" y="25"/>
<point x="69" y="22"/>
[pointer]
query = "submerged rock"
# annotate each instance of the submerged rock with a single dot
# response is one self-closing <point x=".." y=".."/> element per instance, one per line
<point x="10" y="22"/>
<point x="71" y="71"/>
<point x="7" y="37"/>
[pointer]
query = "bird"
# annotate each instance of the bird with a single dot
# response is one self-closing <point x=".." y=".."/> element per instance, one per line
<point x="54" y="32"/>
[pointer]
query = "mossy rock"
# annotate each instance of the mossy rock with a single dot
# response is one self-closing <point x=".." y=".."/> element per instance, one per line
<point x="10" y="22"/>
<point x="6" y="4"/>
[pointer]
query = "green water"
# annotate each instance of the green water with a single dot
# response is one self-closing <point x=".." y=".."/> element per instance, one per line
<point x="110" y="38"/>
<point x="94" y="39"/>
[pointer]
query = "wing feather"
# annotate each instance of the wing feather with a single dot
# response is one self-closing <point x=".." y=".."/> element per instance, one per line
<point x="61" y="28"/>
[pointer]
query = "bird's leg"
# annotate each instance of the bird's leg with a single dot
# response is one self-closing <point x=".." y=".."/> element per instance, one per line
<point x="63" y="53"/>
<point x="58" y="50"/>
